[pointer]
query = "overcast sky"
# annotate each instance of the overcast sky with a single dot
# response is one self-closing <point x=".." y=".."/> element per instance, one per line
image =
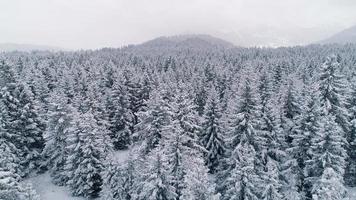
<point x="76" y="24"/>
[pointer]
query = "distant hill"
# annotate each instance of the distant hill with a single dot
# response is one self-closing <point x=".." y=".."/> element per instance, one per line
<point x="343" y="37"/>
<point x="6" y="47"/>
<point x="196" y="41"/>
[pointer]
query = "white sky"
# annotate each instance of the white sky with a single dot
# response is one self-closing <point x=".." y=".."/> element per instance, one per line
<point x="86" y="24"/>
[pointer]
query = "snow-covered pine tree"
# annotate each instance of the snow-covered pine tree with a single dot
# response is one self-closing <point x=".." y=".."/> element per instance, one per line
<point x="350" y="172"/>
<point x="88" y="146"/>
<point x="307" y="126"/>
<point x="272" y="180"/>
<point x="290" y="110"/>
<point x="119" y="179"/>
<point x="10" y="187"/>
<point x="329" y="187"/>
<point x="271" y="154"/>
<point x="242" y="181"/>
<point x="329" y="145"/>
<point x="153" y="120"/>
<point x="20" y="122"/>
<point x="138" y="92"/>
<point x="334" y="91"/>
<point x="154" y="182"/>
<point x="119" y="116"/>
<point x="238" y="178"/>
<point x="327" y="151"/>
<point x="58" y="127"/>
<point x="184" y="156"/>
<point x="184" y="159"/>
<point x="211" y="132"/>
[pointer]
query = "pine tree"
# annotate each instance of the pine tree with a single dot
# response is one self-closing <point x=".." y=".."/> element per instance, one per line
<point x="10" y="187"/>
<point x="119" y="180"/>
<point x="327" y="153"/>
<point x="350" y="172"/>
<point x="328" y="145"/>
<point x="238" y="178"/>
<point x="334" y="92"/>
<point x="290" y="111"/>
<point x="211" y="132"/>
<point x="21" y="123"/>
<point x="308" y="124"/>
<point x="184" y="154"/>
<point x="242" y="182"/>
<point x="87" y="146"/>
<point x="272" y="180"/>
<point x="58" y="127"/>
<point x="152" y="122"/>
<point x="329" y="187"/>
<point x="155" y="180"/>
<point x="119" y="116"/>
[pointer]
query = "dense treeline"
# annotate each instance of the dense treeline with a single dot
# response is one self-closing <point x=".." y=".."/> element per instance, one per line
<point x="199" y="122"/>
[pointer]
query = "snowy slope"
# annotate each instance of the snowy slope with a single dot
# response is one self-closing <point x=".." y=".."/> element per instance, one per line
<point x="48" y="191"/>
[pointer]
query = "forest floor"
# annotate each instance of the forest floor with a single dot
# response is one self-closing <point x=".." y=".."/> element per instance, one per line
<point x="42" y="183"/>
<point x="48" y="191"/>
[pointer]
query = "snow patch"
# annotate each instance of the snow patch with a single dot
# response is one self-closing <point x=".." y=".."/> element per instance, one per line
<point x="352" y="193"/>
<point x="120" y="156"/>
<point x="48" y="191"/>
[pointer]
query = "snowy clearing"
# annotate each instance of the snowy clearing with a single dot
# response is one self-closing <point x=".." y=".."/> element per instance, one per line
<point x="48" y="191"/>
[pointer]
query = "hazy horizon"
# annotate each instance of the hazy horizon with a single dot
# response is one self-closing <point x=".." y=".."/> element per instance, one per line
<point x="95" y="24"/>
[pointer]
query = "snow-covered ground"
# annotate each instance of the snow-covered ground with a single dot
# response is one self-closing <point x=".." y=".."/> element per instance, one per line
<point x="120" y="156"/>
<point x="48" y="191"/>
<point x="352" y="193"/>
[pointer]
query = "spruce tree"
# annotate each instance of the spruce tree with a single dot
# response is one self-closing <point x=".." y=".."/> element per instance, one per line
<point x="21" y="123"/>
<point x="153" y="120"/>
<point x="327" y="152"/>
<point x="154" y="183"/>
<point x="211" y="132"/>
<point x="88" y="145"/>
<point x="238" y="178"/>
<point x="119" y="116"/>
<point x="328" y="148"/>
<point x="119" y="180"/>
<point x="58" y="127"/>
<point x="308" y="124"/>
<point x="350" y="172"/>
<point x="329" y="187"/>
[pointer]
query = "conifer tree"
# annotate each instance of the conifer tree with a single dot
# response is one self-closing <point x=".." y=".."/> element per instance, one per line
<point x="328" y="148"/>
<point x="87" y="146"/>
<point x="119" y="116"/>
<point x="238" y="178"/>
<point x="21" y="123"/>
<point x="58" y="127"/>
<point x="350" y="172"/>
<point x="327" y="152"/>
<point x="155" y="182"/>
<point x="119" y="180"/>
<point x="329" y="187"/>
<point x="308" y="124"/>
<point x="153" y="120"/>
<point x="211" y="132"/>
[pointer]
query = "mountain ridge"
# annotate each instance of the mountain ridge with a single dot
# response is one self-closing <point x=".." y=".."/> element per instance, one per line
<point x="343" y="37"/>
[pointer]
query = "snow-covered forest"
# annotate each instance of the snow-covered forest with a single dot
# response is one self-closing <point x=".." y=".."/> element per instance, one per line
<point x="198" y="121"/>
